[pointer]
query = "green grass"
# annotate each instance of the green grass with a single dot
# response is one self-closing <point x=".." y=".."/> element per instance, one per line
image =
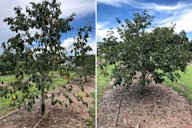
<point x="7" y="78"/>
<point x="60" y="81"/>
<point x="102" y="82"/>
<point x="184" y="85"/>
<point x="4" y="102"/>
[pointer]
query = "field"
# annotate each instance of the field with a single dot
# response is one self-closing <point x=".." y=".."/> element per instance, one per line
<point x="102" y="82"/>
<point x="184" y="85"/>
<point x="162" y="105"/>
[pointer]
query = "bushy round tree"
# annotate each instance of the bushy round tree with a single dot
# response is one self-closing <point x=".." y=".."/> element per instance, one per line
<point x="155" y="53"/>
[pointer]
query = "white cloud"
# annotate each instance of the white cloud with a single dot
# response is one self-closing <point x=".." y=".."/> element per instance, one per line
<point x="80" y="7"/>
<point x="92" y="44"/>
<point x="101" y="34"/>
<point x="158" y="7"/>
<point x="179" y="14"/>
<point x="102" y="31"/>
<point x="6" y="10"/>
<point x="101" y="25"/>
<point x="116" y="3"/>
<point x="182" y="20"/>
<point x="147" y="5"/>
<point x="67" y="43"/>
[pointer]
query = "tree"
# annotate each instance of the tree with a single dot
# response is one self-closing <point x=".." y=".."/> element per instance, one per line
<point x="37" y="54"/>
<point x="82" y="54"/>
<point x="86" y="66"/>
<point x="190" y="46"/>
<point x="155" y="54"/>
<point x="5" y="68"/>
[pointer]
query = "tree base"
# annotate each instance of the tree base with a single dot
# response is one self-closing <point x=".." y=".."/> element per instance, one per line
<point x="42" y="109"/>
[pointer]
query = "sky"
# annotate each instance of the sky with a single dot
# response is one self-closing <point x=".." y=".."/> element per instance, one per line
<point x="165" y="12"/>
<point x="85" y="12"/>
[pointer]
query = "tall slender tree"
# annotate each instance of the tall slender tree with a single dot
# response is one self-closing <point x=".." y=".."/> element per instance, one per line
<point x="37" y="54"/>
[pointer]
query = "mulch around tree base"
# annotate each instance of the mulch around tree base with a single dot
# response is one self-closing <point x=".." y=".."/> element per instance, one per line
<point x="75" y="116"/>
<point x="159" y="107"/>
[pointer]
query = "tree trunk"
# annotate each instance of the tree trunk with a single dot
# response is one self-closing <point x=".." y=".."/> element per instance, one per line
<point x="85" y="78"/>
<point x="42" y="97"/>
<point x="143" y="81"/>
<point x="68" y="81"/>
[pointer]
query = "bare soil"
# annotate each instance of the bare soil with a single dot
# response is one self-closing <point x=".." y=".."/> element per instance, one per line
<point x="159" y="107"/>
<point x="58" y="116"/>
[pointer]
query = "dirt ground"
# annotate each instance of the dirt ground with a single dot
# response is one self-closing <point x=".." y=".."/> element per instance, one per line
<point x="75" y="116"/>
<point x="159" y="107"/>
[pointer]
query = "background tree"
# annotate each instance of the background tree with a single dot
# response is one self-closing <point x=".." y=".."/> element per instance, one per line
<point x="82" y="63"/>
<point x="155" y="54"/>
<point x="40" y="52"/>
<point x="190" y="46"/>
<point x="5" y="67"/>
<point x="86" y="66"/>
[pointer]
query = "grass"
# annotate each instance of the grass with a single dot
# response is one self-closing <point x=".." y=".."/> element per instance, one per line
<point x="102" y="82"/>
<point x="184" y="85"/>
<point x="60" y="81"/>
<point x="7" y="78"/>
<point x="4" y="102"/>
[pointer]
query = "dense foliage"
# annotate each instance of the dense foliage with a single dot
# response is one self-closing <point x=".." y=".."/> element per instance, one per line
<point x="152" y="52"/>
<point x="6" y="68"/>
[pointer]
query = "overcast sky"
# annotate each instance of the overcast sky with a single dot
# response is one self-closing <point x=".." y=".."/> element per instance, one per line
<point x="165" y="12"/>
<point x="85" y="11"/>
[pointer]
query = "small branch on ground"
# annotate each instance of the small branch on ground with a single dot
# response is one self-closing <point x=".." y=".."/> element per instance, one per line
<point x="10" y="113"/>
<point x="39" y="121"/>
<point x="118" y="109"/>
<point x="125" y="122"/>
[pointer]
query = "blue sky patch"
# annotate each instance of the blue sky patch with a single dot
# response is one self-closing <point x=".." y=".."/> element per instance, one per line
<point x="178" y="12"/>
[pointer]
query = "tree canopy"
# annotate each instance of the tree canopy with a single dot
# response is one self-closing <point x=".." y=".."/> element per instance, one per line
<point x="154" y="52"/>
